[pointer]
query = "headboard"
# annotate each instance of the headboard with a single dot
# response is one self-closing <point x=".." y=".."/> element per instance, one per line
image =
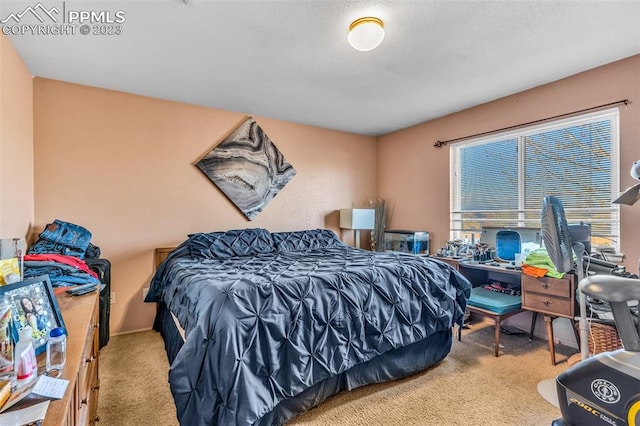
<point x="160" y="254"/>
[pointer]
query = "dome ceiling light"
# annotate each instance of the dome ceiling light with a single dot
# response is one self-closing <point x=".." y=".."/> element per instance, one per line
<point x="366" y="33"/>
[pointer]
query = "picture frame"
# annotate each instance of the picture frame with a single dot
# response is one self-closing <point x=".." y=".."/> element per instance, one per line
<point x="34" y="303"/>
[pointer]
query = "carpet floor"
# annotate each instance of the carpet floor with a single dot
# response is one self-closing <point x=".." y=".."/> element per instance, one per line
<point x="469" y="387"/>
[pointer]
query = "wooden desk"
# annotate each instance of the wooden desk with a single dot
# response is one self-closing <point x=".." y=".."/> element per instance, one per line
<point x="479" y="274"/>
<point x="79" y="406"/>
<point x="551" y="297"/>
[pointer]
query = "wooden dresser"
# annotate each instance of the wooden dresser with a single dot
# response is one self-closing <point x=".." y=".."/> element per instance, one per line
<point x="552" y="297"/>
<point x="80" y="403"/>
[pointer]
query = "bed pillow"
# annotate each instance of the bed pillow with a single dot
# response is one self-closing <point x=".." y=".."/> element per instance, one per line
<point x="239" y="242"/>
<point x="306" y="240"/>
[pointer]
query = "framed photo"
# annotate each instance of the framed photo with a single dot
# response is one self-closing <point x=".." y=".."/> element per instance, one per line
<point x="35" y="304"/>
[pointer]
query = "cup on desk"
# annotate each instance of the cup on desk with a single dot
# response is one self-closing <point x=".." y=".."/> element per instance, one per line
<point x="519" y="259"/>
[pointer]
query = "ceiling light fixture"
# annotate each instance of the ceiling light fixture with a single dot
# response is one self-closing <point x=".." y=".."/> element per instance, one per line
<point x="366" y="33"/>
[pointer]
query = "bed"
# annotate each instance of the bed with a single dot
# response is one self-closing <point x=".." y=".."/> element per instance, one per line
<point x="260" y="327"/>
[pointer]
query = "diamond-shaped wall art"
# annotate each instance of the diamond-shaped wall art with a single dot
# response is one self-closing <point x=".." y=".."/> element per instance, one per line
<point x="247" y="167"/>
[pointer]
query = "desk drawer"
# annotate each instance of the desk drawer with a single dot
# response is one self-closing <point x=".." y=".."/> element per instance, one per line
<point x="547" y="285"/>
<point x="551" y="305"/>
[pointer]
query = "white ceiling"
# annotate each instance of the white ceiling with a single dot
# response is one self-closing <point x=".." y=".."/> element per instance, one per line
<point x="290" y="59"/>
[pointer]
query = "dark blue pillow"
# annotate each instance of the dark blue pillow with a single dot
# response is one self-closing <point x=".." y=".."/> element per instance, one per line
<point x="305" y="240"/>
<point x="239" y="242"/>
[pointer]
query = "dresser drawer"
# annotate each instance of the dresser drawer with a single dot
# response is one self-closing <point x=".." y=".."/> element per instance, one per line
<point x="546" y="285"/>
<point x="88" y="370"/>
<point x="550" y="305"/>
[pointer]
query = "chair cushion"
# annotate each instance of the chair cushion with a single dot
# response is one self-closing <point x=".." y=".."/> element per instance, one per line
<point x="493" y="301"/>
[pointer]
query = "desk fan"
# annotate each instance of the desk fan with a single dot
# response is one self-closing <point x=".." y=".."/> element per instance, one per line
<point x="557" y="241"/>
<point x="560" y="247"/>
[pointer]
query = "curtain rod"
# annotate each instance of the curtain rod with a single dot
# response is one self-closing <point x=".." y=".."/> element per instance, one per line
<point x="440" y="144"/>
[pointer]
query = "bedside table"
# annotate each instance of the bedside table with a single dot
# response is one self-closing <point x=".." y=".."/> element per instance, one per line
<point x="553" y="298"/>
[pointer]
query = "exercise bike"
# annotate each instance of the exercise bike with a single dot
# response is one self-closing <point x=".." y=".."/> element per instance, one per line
<point x="605" y="389"/>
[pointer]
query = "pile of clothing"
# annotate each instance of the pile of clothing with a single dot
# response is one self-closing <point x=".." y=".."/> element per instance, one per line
<point x="59" y="253"/>
<point x="539" y="264"/>
<point x="501" y="287"/>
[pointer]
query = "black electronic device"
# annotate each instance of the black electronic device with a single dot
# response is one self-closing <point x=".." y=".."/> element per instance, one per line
<point x="581" y="233"/>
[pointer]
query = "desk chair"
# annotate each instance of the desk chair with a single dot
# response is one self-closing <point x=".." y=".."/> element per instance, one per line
<point x="492" y="304"/>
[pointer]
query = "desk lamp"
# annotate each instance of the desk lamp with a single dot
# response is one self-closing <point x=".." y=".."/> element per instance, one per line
<point x="357" y="219"/>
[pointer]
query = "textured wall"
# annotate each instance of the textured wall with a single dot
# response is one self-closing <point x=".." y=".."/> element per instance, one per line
<point x="123" y="166"/>
<point x="16" y="144"/>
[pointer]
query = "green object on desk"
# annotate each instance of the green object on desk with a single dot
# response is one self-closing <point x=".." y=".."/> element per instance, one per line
<point x="540" y="259"/>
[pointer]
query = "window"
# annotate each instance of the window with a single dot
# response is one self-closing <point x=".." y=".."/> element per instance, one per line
<point x="500" y="180"/>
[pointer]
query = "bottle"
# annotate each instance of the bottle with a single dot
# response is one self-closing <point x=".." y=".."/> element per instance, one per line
<point x="26" y="364"/>
<point x="56" y="350"/>
<point x="7" y="371"/>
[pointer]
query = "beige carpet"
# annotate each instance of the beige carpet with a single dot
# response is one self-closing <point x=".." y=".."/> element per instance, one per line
<point x="469" y="387"/>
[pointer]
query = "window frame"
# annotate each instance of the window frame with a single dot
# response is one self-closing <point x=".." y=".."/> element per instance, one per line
<point x="455" y="216"/>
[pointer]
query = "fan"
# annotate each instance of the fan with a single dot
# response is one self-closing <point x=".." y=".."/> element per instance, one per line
<point x="561" y="249"/>
<point x="556" y="235"/>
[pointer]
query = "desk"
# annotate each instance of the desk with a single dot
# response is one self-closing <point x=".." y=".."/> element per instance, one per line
<point x="549" y="296"/>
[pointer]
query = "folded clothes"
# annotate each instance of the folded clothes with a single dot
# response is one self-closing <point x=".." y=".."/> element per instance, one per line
<point x="540" y="259"/>
<point x="533" y="271"/>
<point x="61" y="258"/>
<point x="62" y="237"/>
<point x="60" y="274"/>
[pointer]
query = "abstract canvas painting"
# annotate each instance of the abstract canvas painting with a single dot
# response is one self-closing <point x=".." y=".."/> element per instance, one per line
<point x="247" y="167"/>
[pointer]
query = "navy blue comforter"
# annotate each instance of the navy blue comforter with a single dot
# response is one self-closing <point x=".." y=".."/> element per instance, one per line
<point x="269" y="315"/>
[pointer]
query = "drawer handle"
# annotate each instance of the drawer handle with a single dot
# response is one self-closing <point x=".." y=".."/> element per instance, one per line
<point x="83" y="402"/>
<point x="544" y="285"/>
<point x="95" y="388"/>
<point x="546" y="302"/>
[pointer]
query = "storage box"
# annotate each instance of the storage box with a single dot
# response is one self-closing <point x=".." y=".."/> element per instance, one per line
<point x="415" y="242"/>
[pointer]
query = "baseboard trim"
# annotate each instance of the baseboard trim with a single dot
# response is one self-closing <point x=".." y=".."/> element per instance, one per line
<point x="131" y="331"/>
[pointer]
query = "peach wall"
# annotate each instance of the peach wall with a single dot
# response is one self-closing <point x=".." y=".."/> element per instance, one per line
<point x="16" y="144"/>
<point x="122" y="166"/>
<point x="413" y="175"/>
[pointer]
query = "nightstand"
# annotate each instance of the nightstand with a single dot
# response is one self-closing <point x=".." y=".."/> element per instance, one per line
<point x="552" y="297"/>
